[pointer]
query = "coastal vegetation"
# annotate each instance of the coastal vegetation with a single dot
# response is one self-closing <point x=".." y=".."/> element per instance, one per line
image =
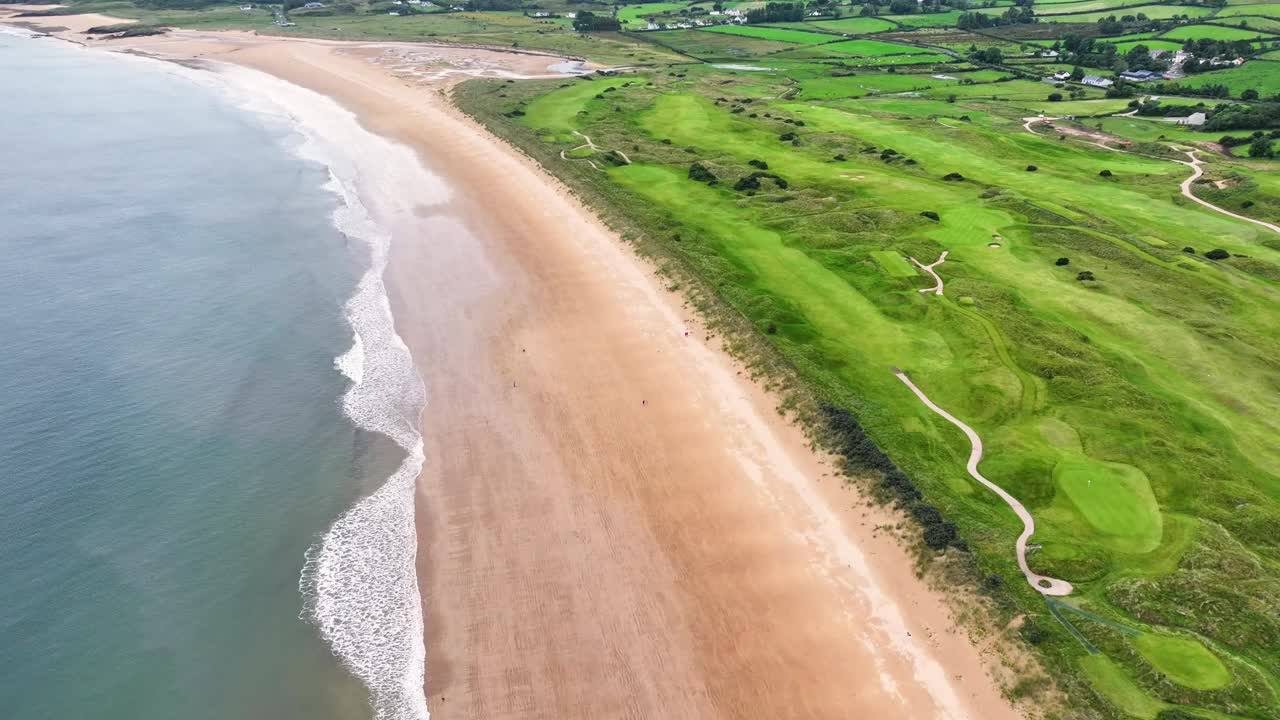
<point x="1125" y="396"/>
<point x="1113" y="341"/>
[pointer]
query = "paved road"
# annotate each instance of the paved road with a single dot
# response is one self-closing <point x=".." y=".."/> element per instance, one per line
<point x="1045" y="585"/>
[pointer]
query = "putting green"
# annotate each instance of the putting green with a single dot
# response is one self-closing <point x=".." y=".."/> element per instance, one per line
<point x="1115" y="499"/>
<point x="1183" y="660"/>
<point x="893" y="263"/>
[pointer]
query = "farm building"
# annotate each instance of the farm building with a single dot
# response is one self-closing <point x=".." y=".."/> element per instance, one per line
<point x="1096" y="81"/>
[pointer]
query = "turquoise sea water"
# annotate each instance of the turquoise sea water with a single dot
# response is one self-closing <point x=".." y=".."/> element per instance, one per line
<point x="172" y="439"/>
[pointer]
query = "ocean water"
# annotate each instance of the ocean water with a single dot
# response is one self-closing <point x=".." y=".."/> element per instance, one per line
<point x="207" y="437"/>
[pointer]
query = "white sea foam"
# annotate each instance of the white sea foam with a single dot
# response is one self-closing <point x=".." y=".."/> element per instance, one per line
<point x="351" y="362"/>
<point x="359" y="582"/>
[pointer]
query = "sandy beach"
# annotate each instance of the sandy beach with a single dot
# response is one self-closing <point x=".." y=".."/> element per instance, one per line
<point x="613" y="521"/>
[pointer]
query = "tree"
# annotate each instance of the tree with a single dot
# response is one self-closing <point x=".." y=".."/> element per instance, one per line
<point x="1217" y="254"/>
<point x="868" y="10"/>
<point x="1062" y="261"/>
<point x="903" y="7"/>
<point x="1077" y="74"/>
<point x="1260" y="148"/>
<point x="1055" y="97"/>
<point x="1249" y="94"/>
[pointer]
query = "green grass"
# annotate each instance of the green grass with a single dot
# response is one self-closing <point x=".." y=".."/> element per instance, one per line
<point x="1152" y="44"/>
<point x="1115" y="499"/>
<point x="1130" y="414"/>
<point x="894" y="264"/>
<point x="1086" y="6"/>
<point x="556" y="115"/>
<point x="714" y="46"/>
<point x="946" y="19"/>
<point x="1113" y="684"/>
<point x="773" y="34"/>
<point x="1262" y="9"/>
<point x="1183" y="660"/>
<point x="632" y="15"/>
<point x="1216" y="32"/>
<point x="1155" y="12"/>
<point x="854" y="25"/>
<point x="1260" y="75"/>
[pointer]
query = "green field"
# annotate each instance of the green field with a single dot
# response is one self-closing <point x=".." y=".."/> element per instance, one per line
<point x="1216" y="32"/>
<point x="1261" y="9"/>
<point x="854" y="25"/>
<point x="714" y="46"/>
<point x="773" y="34"/>
<point x="1260" y="75"/>
<point x="1092" y="396"/>
<point x="1151" y="11"/>
<point x="633" y="15"/>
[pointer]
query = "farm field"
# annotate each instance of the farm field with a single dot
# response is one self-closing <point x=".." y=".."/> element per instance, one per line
<point x="854" y="26"/>
<point x="1260" y="75"/>
<point x="1217" y="32"/>
<point x="1151" y="11"/>
<point x="713" y="46"/>
<point x="1067" y="380"/>
<point x="773" y="34"/>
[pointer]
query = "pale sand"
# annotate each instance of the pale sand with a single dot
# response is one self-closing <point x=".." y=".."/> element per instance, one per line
<point x="613" y="521"/>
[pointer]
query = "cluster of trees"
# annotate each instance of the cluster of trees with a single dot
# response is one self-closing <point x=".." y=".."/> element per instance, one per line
<point x="990" y="56"/>
<point x="1206" y="49"/>
<point x="1235" y="116"/>
<point x="859" y="453"/>
<point x="1013" y="16"/>
<point x="776" y="12"/>
<point x="1259" y="143"/>
<point x="587" y="21"/>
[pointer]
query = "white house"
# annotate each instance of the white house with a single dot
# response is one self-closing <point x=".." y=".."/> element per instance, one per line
<point x="1193" y="119"/>
<point x="1061" y="75"/>
<point x="1096" y="81"/>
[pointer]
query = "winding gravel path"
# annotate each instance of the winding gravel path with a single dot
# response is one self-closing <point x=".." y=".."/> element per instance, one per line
<point x="936" y="289"/>
<point x="1045" y="585"/>
<point x="1196" y="171"/>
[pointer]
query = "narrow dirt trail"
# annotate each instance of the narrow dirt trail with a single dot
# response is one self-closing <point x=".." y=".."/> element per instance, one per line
<point x="1196" y="171"/>
<point x="1194" y="163"/>
<point x="937" y="288"/>
<point x="593" y="146"/>
<point x="1042" y="584"/>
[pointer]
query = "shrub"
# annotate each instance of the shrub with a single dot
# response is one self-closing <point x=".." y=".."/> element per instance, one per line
<point x="758" y="164"/>
<point x="939" y="535"/>
<point x="930" y="214"/>
<point x="1105" y="173"/>
<point x="1217" y="254"/>
<point x="1246" y="204"/>
<point x="772" y="329"/>
<point x="1189" y="250"/>
<point x="839" y="158"/>
<point x="1085" y="276"/>
<point x="787" y="136"/>
<point x="1055" y="97"/>
<point x="752" y="181"/>
<point x="1032" y="168"/>
<point x="1061" y="261"/>
<point x="953" y="177"/>
<point x="699" y="172"/>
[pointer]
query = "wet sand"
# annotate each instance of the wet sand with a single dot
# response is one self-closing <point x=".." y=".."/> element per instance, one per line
<point x="613" y="522"/>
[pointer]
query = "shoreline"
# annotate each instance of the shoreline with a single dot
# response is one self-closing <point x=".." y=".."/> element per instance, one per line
<point x="679" y="550"/>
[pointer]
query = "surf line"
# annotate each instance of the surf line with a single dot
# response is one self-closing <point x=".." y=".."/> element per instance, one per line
<point x="1043" y="584"/>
